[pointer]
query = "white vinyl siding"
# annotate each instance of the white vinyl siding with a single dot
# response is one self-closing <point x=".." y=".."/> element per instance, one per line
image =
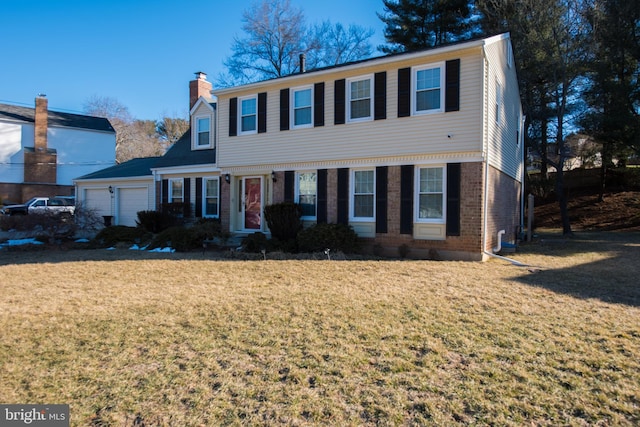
<point x="360" y="99"/>
<point x="503" y="110"/>
<point x="301" y="107"/>
<point x="424" y="134"/>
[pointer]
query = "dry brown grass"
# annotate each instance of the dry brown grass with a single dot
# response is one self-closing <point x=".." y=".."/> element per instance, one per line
<point x="129" y="338"/>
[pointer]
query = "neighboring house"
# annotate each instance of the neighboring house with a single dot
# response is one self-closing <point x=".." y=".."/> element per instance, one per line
<point x="41" y="151"/>
<point x="184" y="179"/>
<point x="422" y="149"/>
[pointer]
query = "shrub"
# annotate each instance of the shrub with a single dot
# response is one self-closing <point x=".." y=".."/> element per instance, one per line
<point x="284" y="220"/>
<point x="110" y="236"/>
<point x="156" y="221"/>
<point x="255" y="243"/>
<point x="337" y="237"/>
<point x="180" y="238"/>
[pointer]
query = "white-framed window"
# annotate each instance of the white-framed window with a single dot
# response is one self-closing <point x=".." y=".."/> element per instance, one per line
<point x="302" y="111"/>
<point x="360" y="98"/>
<point x="428" y="93"/>
<point x="211" y="197"/>
<point x="248" y="115"/>
<point x="176" y="190"/>
<point x="363" y="195"/>
<point x="203" y="132"/>
<point x="430" y="194"/>
<point x="307" y="193"/>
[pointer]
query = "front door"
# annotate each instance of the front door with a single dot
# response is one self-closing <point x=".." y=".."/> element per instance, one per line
<point x="252" y="203"/>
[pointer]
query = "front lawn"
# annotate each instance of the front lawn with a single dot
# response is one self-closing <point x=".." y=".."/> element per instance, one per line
<point x="130" y="338"/>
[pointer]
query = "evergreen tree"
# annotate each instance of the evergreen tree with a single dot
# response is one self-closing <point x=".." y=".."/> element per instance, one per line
<point x="613" y="97"/>
<point x="417" y="24"/>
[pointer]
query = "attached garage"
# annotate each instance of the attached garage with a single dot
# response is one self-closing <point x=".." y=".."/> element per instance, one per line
<point x="120" y="191"/>
<point x="97" y="200"/>
<point x="130" y="201"/>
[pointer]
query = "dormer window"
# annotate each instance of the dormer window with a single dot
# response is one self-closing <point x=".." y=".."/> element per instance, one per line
<point x="203" y="138"/>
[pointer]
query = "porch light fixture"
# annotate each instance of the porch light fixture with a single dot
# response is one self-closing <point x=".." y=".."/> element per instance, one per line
<point x="273" y="176"/>
<point x="111" y="189"/>
<point x="227" y="178"/>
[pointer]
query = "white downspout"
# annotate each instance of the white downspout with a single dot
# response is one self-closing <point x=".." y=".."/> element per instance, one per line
<point x="499" y="237"/>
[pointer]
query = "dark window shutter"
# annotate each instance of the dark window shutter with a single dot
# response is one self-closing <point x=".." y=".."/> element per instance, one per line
<point x="343" y="196"/>
<point x="404" y="92"/>
<point x="406" y="199"/>
<point x="284" y="109"/>
<point x="187" y="197"/>
<point x="339" y="111"/>
<point x="233" y="117"/>
<point x="318" y="104"/>
<point x="452" y="94"/>
<point x="262" y="112"/>
<point x="289" y="186"/>
<point x="165" y="191"/>
<point x="381" y="199"/>
<point x="380" y="96"/>
<point x="322" y="197"/>
<point x="198" y="197"/>
<point x="453" y="199"/>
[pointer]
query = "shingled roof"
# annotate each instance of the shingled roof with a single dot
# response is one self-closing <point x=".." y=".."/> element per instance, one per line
<point x="132" y="168"/>
<point x="181" y="154"/>
<point x="17" y="114"/>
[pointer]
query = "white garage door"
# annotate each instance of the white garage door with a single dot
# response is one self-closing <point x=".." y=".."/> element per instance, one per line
<point x="98" y="200"/>
<point x="130" y="201"/>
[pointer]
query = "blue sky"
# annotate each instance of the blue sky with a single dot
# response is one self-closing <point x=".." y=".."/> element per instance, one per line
<point x="141" y="52"/>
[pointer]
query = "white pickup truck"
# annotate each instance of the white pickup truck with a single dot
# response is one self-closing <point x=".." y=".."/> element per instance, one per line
<point x="62" y="205"/>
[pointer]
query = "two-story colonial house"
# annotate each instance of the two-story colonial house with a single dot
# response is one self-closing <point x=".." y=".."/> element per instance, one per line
<point x="41" y="151"/>
<point x="422" y="149"/>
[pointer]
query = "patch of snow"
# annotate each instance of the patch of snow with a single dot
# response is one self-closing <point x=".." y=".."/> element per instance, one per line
<point x="18" y="242"/>
<point x="170" y="250"/>
<point x="82" y="241"/>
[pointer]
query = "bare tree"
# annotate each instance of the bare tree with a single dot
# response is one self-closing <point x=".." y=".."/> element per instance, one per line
<point x="134" y="138"/>
<point x="277" y="34"/>
<point x="339" y="44"/>
<point x="171" y="129"/>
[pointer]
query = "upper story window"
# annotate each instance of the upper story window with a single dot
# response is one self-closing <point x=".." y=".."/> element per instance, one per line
<point x="360" y="99"/>
<point x="430" y="194"/>
<point x="176" y="194"/>
<point x="302" y="111"/>
<point x="307" y="193"/>
<point x="428" y="96"/>
<point x="363" y="195"/>
<point x="203" y="126"/>
<point x="248" y="116"/>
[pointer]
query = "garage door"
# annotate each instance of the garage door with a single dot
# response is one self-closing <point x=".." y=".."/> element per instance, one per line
<point x="130" y="202"/>
<point x="98" y="200"/>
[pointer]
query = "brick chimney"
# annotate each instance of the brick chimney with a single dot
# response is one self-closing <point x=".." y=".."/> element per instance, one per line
<point x="199" y="87"/>
<point x="40" y="163"/>
<point x="41" y="123"/>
